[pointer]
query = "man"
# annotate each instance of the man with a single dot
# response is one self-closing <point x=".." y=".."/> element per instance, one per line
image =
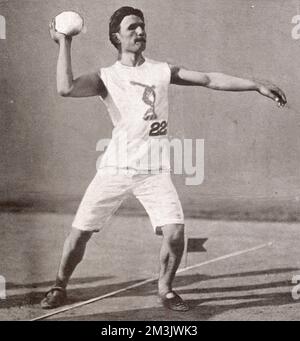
<point x="134" y="89"/>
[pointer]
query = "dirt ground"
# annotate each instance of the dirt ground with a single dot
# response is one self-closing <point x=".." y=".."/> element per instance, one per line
<point x="251" y="286"/>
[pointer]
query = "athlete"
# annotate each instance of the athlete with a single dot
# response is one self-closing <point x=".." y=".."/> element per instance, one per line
<point x="135" y="92"/>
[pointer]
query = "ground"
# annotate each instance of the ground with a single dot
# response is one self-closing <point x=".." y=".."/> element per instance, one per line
<point x="253" y="285"/>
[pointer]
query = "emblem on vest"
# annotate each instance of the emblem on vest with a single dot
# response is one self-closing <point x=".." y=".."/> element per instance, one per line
<point x="149" y="97"/>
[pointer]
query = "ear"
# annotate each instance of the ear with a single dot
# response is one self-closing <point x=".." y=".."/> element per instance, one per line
<point x="116" y="38"/>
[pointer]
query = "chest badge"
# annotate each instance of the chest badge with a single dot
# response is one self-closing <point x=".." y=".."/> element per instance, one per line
<point x="149" y="97"/>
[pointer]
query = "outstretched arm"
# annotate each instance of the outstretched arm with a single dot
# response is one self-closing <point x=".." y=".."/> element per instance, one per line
<point x="220" y="81"/>
<point x="83" y="86"/>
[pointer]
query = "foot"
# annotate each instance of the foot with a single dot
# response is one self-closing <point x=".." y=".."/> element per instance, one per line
<point x="54" y="298"/>
<point x="173" y="301"/>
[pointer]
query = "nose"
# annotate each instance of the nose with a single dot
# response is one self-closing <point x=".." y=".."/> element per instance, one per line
<point x="140" y="31"/>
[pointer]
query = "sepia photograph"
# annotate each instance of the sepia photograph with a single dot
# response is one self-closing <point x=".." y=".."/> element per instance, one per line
<point x="150" y="162"/>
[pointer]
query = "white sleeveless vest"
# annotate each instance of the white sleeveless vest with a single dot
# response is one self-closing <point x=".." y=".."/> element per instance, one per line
<point x="137" y="102"/>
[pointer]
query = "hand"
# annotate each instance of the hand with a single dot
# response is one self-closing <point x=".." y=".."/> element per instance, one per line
<point x="57" y="36"/>
<point x="272" y="91"/>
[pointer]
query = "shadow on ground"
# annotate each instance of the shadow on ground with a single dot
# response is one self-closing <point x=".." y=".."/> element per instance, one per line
<point x="10" y="285"/>
<point x="202" y="309"/>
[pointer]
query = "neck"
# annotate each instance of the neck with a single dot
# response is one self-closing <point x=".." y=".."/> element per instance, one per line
<point x="131" y="59"/>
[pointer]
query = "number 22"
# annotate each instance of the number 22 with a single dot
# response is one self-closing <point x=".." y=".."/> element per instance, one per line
<point x="159" y="128"/>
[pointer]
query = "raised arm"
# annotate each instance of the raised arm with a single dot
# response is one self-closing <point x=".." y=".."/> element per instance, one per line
<point x="220" y="81"/>
<point x="84" y="86"/>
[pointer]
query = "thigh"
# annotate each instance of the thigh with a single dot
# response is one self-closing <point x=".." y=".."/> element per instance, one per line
<point x="102" y="198"/>
<point x="159" y="197"/>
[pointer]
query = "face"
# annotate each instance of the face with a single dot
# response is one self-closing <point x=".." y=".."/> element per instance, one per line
<point x="132" y="35"/>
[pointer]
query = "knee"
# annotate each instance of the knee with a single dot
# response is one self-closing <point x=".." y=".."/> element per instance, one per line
<point x="78" y="238"/>
<point x="174" y="235"/>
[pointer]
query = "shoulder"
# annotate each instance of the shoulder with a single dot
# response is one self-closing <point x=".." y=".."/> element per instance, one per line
<point x="157" y="63"/>
<point x="106" y="72"/>
<point x="107" y="68"/>
<point x="162" y="69"/>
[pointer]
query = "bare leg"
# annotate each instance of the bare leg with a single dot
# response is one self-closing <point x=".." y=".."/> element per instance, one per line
<point x="73" y="252"/>
<point x="170" y="256"/>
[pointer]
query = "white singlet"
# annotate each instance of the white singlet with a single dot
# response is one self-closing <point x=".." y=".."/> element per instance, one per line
<point x="137" y="102"/>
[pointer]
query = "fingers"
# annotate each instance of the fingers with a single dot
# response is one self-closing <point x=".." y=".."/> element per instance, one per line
<point x="272" y="91"/>
<point x="279" y="97"/>
<point x="276" y="94"/>
<point x="282" y="95"/>
<point x="52" y="25"/>
<point x="52" y="29"/>
<point x="55" y="35"/>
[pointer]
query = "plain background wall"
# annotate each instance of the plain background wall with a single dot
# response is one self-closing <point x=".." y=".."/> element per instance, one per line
<point x="252" y="148"/>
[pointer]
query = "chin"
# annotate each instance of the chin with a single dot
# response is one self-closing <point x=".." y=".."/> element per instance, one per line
<point x="139" y="48"/>
<point x="142" y="48"/>
<point x="136" y="51"/>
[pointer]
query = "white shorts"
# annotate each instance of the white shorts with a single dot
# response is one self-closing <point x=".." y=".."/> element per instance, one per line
<point x="106" y="193"/>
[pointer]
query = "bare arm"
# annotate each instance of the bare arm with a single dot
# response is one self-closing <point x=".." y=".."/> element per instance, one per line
<point x="220" y="81"/>
<point x="84" y="86"/>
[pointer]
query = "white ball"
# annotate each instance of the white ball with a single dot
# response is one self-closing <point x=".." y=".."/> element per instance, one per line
<point x="69" y="23"/>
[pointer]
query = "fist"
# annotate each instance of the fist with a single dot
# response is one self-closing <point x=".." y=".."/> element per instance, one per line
<point x="57" y="36"/>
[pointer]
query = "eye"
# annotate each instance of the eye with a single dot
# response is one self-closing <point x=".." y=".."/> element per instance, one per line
<point x="134" y="26"/>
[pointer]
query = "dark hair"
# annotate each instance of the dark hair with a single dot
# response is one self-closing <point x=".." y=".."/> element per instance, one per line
<point x="116" y="19"/>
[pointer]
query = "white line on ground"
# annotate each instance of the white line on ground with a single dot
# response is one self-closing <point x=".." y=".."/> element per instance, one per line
<point x="113" y="293"/>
